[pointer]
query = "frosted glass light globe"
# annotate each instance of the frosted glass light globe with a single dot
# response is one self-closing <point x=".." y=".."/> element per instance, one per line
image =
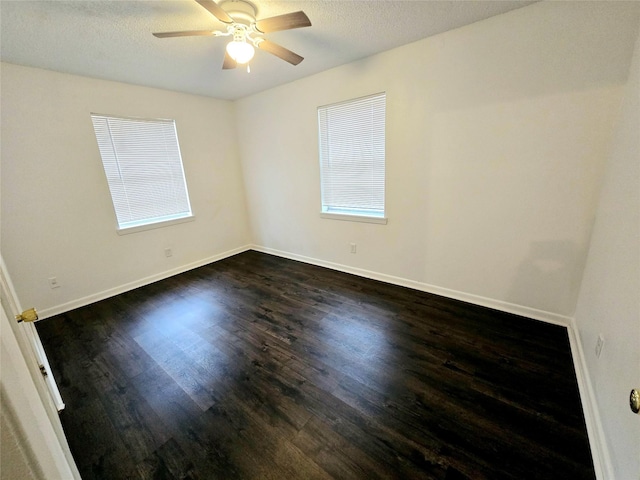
<point x="241" y="52"/>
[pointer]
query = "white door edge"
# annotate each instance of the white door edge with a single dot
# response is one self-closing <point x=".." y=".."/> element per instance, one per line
<point x="26" y="398"/>
<point x="30" y="335"/>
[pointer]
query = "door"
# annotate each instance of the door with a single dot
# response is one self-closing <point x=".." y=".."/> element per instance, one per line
<point x="30" y="401"/>
<point x="29" y="339"/>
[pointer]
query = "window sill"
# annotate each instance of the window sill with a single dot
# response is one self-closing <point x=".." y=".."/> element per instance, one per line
<point x="151" y="226"/>
<point x="354" y="218"/>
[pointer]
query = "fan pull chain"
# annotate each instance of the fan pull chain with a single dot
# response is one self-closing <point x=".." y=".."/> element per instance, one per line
<point x="248" y="69"/>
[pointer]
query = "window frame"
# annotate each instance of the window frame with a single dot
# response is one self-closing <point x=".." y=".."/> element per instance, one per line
<point x="149" y="223"/>
<point x="353" y="213"/>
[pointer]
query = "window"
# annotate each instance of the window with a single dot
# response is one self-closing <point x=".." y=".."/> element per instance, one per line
<point x="352" y="159"/>
<point x="142" y="162"/>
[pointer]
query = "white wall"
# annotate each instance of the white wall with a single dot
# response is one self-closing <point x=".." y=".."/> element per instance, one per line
<point x="496" y="138"/>
<point x="57" y="216"/>
<point x="609" y="301"/>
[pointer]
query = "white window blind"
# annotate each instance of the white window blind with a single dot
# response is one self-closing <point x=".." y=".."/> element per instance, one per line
<point x="352" y="156"/>
<point x="142" y="162"/>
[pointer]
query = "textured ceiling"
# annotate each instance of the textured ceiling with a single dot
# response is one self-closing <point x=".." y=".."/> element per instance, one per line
<point x="112" y="39"/>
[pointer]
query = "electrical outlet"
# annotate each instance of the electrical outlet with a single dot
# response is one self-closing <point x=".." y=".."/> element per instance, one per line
<point x="599" y="345"/>
<point x="353" y="247"/>
<point x="168" y="252"/>
<point x="53" y="282"/>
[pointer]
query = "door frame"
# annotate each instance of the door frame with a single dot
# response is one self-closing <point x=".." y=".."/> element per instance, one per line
<point x="26" y="396"/>
<point x="29" y="336"/>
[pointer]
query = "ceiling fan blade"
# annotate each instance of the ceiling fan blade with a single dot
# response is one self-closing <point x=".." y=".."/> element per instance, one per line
<point x="216" y="10"/>
<point x="228" y="62"/>
<point x="281" y="52"/>
<point x="186" y="33"/>
<point x="283" y="22"/>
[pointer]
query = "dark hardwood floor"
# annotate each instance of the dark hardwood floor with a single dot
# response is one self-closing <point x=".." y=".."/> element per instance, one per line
<point x="259" y="367"/>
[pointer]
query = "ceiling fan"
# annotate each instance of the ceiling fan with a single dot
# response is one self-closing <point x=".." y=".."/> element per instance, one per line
<point x="246" y="31"/>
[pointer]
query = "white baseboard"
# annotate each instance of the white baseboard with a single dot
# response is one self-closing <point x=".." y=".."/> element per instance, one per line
<point x="81" y="302"/>
<point x="528" y="312"/>
<point x="599" y="449"/>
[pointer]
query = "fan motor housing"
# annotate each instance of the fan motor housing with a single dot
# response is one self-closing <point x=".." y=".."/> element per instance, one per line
<point x="240" y="10"/>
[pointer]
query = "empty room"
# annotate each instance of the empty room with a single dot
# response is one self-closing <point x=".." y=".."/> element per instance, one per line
<point x="320" y="239"/>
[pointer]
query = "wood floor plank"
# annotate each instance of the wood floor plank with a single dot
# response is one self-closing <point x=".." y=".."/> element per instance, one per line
<point x="258" y="367"/>
<point x="389" y="446"/>
<point x="193" y="380"/>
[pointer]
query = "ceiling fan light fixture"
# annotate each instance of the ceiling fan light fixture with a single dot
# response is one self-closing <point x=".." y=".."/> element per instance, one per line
<point x="241" y="52"/>
<point x="240" y="19"/>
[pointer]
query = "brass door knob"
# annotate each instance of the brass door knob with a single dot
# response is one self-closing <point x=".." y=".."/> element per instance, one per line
<point x="29" y="315"/>
<point x="634" y="400"/>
